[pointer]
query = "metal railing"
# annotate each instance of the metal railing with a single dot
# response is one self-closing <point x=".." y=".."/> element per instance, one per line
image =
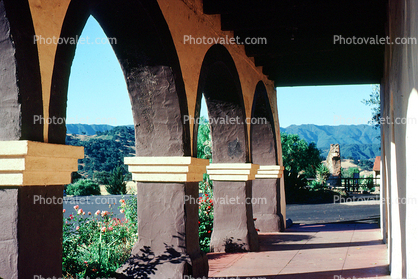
<point x="354" y="184"/>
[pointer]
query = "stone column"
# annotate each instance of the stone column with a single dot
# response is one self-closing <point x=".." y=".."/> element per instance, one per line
<point x="168" y="239"/>
<point x="233" y="225"/>
<point x="32" y="179"/>
<point x="266" y="199"/>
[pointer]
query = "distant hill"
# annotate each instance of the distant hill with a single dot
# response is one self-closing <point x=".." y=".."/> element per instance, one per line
<point x="104" y="150"/>
<point x="356" y="141"/>
<point x="89" y="130"/>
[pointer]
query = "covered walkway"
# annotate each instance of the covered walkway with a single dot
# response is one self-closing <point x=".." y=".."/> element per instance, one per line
<point x="341" y="250"/>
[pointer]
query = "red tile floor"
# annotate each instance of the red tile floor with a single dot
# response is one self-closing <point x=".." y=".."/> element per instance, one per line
<point x="337" y="251"/>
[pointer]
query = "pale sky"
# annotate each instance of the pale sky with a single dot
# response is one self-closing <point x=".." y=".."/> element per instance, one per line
<point x="97" y="92"/>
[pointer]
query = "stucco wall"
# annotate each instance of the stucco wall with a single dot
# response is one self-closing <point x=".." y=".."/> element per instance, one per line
<point x="399" y="103"/>
<point x="183" y="18"/>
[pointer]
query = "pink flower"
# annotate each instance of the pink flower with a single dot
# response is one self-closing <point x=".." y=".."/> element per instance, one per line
<point x="110" y="228"/>
<point x="63" y="211"/>
<point x="76" y="207"/>
<point x="71" y="216"/>
<point x="104" y="213"/>
<point x="103" y="229"/>
<point x="80" y="211"/>
<point x="89" y="213"/>
<point x="122" y="201"/>
<point x="77" y="228"/>
<point x="122" y="211"/>
<point x="97" y="212"/>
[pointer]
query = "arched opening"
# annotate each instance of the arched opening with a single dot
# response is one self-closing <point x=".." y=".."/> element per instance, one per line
<point x="98" y="107"/>
<point x="233" y="226"/>
<point x="150" y="64"/>
<point x="263" y="135"/>
<point x="219" y="84"/>
<point x="151" y="69"/>
<point x="264" y="152"/>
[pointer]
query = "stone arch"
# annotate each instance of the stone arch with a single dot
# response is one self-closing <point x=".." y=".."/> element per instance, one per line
<point x="21" y="111"/>
<point x="262" y="131"/>
<point x="233" y="224"/>
<point x="264" y="152"/>
<point x="150" y="65"/>
<point x="149" y="61"/>
<point x="220" y="84"/>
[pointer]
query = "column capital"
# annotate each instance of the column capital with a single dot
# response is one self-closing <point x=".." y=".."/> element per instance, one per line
<point x="29" y="163"/>
<point x="166" y="169"/>
<point x="232" y="171"/>
<point x="269" y="171"/>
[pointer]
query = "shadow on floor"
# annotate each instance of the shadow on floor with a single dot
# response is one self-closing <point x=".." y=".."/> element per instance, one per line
<point x="370" y="272"/>
<point x="274" y="242"/>
<point x="297" y="238"/>
<point x="332" y="227"/>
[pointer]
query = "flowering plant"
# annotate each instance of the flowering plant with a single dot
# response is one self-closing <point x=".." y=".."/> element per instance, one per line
<point x="96" y="244"/>
<point x="205" y="213"/>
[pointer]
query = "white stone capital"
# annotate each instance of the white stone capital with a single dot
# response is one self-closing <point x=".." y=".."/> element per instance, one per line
<point x="269" y="171"/>
<point x="166" y="169"/>
<point x="29" y="163"/>
<point x="232" y="171"/>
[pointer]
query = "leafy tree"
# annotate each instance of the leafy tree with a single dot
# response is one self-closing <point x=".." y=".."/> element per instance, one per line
<point x="83" y="187"/>
<point x="115" y="183"/>
<point x="204" y="140"/>
<point x="75" y="176"/>
<point x="299" y="157"/>
<point x="104" y="150"/>
<point x="366" y="164"/>
<point x="300" y="160"/>
<point x="374" y="103"/>
<point x="349" y="173"/>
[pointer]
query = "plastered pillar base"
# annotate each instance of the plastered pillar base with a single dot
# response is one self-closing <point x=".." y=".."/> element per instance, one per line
<point x="168" y="233"/>
<point x="168" y="240"/>
<point x="233" y="225"/>
<point x="32" y="178"/>
<point x="266" y="205"/>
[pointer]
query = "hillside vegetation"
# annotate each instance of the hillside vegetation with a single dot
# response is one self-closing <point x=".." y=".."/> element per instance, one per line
<point x="104" y="150"/>
<point x="359" y="142"/>
<point x="105" y="146"/>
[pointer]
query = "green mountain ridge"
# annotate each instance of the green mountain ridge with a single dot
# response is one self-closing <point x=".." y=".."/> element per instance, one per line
<point x="358" y="142"/>
<point x="89" y="129"/>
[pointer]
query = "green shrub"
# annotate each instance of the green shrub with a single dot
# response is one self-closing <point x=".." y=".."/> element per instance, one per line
<point x="83" y="187"/>
<point x="115" y="184"/>
<point x="349" y="173"/>
<point x="322" y="174"/>
<point x="368" y="183"/>
<point x="316" y="185"/>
